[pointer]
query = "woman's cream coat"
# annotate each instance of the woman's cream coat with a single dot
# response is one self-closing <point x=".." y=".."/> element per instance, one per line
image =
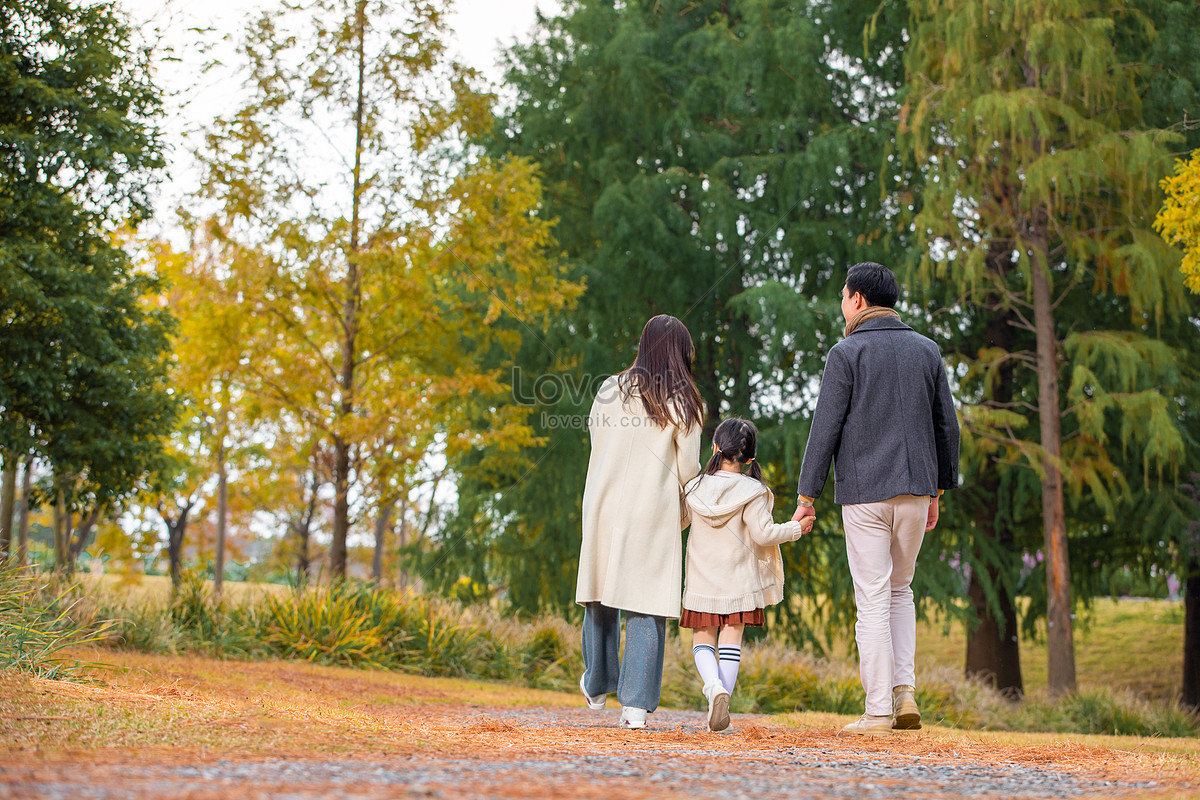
<point x="633" y="516"/>
<point x="733" y="558"/>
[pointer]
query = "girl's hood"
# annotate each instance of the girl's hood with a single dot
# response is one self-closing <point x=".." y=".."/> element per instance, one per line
<point x="719" y="497"/>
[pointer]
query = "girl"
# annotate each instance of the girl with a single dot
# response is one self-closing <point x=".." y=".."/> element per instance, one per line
<point x="645" y="432"/>
<point x="734" y="567"/>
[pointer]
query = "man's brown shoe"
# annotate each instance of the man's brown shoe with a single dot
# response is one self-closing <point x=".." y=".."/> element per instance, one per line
<point x="907" y="716"/>
<point x="867" y="725"/>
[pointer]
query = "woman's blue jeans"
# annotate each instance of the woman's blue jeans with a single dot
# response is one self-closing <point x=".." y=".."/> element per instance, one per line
<point x="638" y="679"/>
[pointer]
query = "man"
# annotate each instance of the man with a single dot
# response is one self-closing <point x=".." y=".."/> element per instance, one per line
<point x="886" y="419"/>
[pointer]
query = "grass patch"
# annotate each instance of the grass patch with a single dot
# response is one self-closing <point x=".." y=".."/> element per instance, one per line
<point x="1131" y="646"/>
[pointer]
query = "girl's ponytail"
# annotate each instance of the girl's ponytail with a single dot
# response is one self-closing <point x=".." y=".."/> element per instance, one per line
<point x="736" y="440"/>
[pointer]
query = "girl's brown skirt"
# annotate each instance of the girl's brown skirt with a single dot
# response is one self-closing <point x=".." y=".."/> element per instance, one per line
<point x="700" y="619"/>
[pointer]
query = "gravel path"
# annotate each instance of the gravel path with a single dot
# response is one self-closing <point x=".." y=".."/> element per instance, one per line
<point x="560" y="752"/>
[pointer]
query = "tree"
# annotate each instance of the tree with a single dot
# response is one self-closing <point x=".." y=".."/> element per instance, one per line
<point x="1179" y="218"/>
<point x="1026" y="122"/>
<point x="375" y="279"/>
<point x="82" y="368"/>
<point x="716" y="161"/>
<point x="207" y="374"/>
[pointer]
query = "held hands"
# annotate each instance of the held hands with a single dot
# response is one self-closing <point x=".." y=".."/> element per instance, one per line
<point x="806" y="516"/>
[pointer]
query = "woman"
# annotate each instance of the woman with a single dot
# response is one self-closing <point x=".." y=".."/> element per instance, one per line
<point x="645" y="431"/>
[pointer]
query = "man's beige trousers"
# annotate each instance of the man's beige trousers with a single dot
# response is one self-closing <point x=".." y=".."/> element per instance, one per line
<point x="882" y="542"/>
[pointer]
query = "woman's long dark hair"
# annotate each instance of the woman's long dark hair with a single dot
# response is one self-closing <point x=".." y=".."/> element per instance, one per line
<point x="662" y="374"/>
<point x="737" y="441"/>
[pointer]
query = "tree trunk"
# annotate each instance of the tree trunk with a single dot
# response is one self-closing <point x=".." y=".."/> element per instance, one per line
<point x="1190" y="696"/>
<point x="401" y="541"/>
<point x="993" y="654"/>
<point x="1060" y="673"/>
<point x="77" y="541"/>
<point x="993" y="649"/>
<point x="302" y="559"/>
<point x="341" y="509"/>
<point x="341" y="505"/>
<point x="381" y="526"/>
<point x="222" y="519"/>
<point x="302" y="527"/>
<point x="175" y="530"/>
<point x="62" y="532"/>
<point x="8" y="498"/>
<point x="23" y="525"/>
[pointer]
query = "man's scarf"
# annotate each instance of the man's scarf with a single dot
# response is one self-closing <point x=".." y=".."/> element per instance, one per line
<point x="870" y="312"/>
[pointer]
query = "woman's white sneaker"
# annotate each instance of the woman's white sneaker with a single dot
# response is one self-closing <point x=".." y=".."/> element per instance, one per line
<point x="594" y="703"/>
<point x="633" y="718"/>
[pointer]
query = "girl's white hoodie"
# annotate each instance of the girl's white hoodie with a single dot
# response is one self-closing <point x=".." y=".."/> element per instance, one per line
<point x="733" y="561"/>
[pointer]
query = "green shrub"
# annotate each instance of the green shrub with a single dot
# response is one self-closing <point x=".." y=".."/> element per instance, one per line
<point x="328" y="626"/>
<point x="1118" y="714"/>
<point x="440" y="645"/>
<point x="36" y="625"/>
<point x="145" y="628"/>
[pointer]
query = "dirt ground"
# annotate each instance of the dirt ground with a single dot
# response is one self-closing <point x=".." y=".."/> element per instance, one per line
<point x="208" y="730"/>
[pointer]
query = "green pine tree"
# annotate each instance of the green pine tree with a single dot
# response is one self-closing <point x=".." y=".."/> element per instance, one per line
<point x="716" y="161"/>
<point x="1040" y="181"/>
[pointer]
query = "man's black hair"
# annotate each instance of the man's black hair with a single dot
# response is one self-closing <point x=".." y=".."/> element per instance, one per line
<point x="875" y="282"/>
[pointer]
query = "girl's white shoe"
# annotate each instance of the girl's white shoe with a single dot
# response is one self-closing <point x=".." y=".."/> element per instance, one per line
<point x="718" y="705"/>
<point x="633" y="718"/>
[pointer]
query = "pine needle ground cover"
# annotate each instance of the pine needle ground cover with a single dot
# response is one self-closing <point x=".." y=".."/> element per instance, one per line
<point x="154" y="725"/>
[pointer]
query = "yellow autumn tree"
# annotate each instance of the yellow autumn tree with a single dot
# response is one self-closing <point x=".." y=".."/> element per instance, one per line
<point x="207" y="365"/>
<point x="379" y="262"/>
<point x="1179" y="219"/>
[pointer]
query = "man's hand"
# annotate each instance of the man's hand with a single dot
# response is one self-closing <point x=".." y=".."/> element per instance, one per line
<point x="802" y="512"/>
<point x="931" y="520"/>
<point x="806" y="524"/>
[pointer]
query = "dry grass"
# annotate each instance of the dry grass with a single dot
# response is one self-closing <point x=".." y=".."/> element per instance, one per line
<point x="138" y="588"/>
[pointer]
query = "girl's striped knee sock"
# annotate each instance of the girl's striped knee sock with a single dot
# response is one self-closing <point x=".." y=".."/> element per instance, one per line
<point x="706" y="663"/>
<point x="731" y="659"/>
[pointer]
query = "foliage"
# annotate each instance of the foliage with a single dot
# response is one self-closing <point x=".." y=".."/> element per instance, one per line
<point x="82" y="367"/>
<point x="1069" y="326"/>
<point x="1179" y="218"/>
<point x="332" y="626"/>
<point x="370" y="278"/>
<point x="37" y="625"/>
<point x="712" y="160"/>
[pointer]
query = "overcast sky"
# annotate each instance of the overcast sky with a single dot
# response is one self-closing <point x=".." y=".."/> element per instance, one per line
<point x="480" y="30"/>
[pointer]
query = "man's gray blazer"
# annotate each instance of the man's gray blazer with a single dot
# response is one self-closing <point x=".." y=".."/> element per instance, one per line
<point x="884" y="417"/>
